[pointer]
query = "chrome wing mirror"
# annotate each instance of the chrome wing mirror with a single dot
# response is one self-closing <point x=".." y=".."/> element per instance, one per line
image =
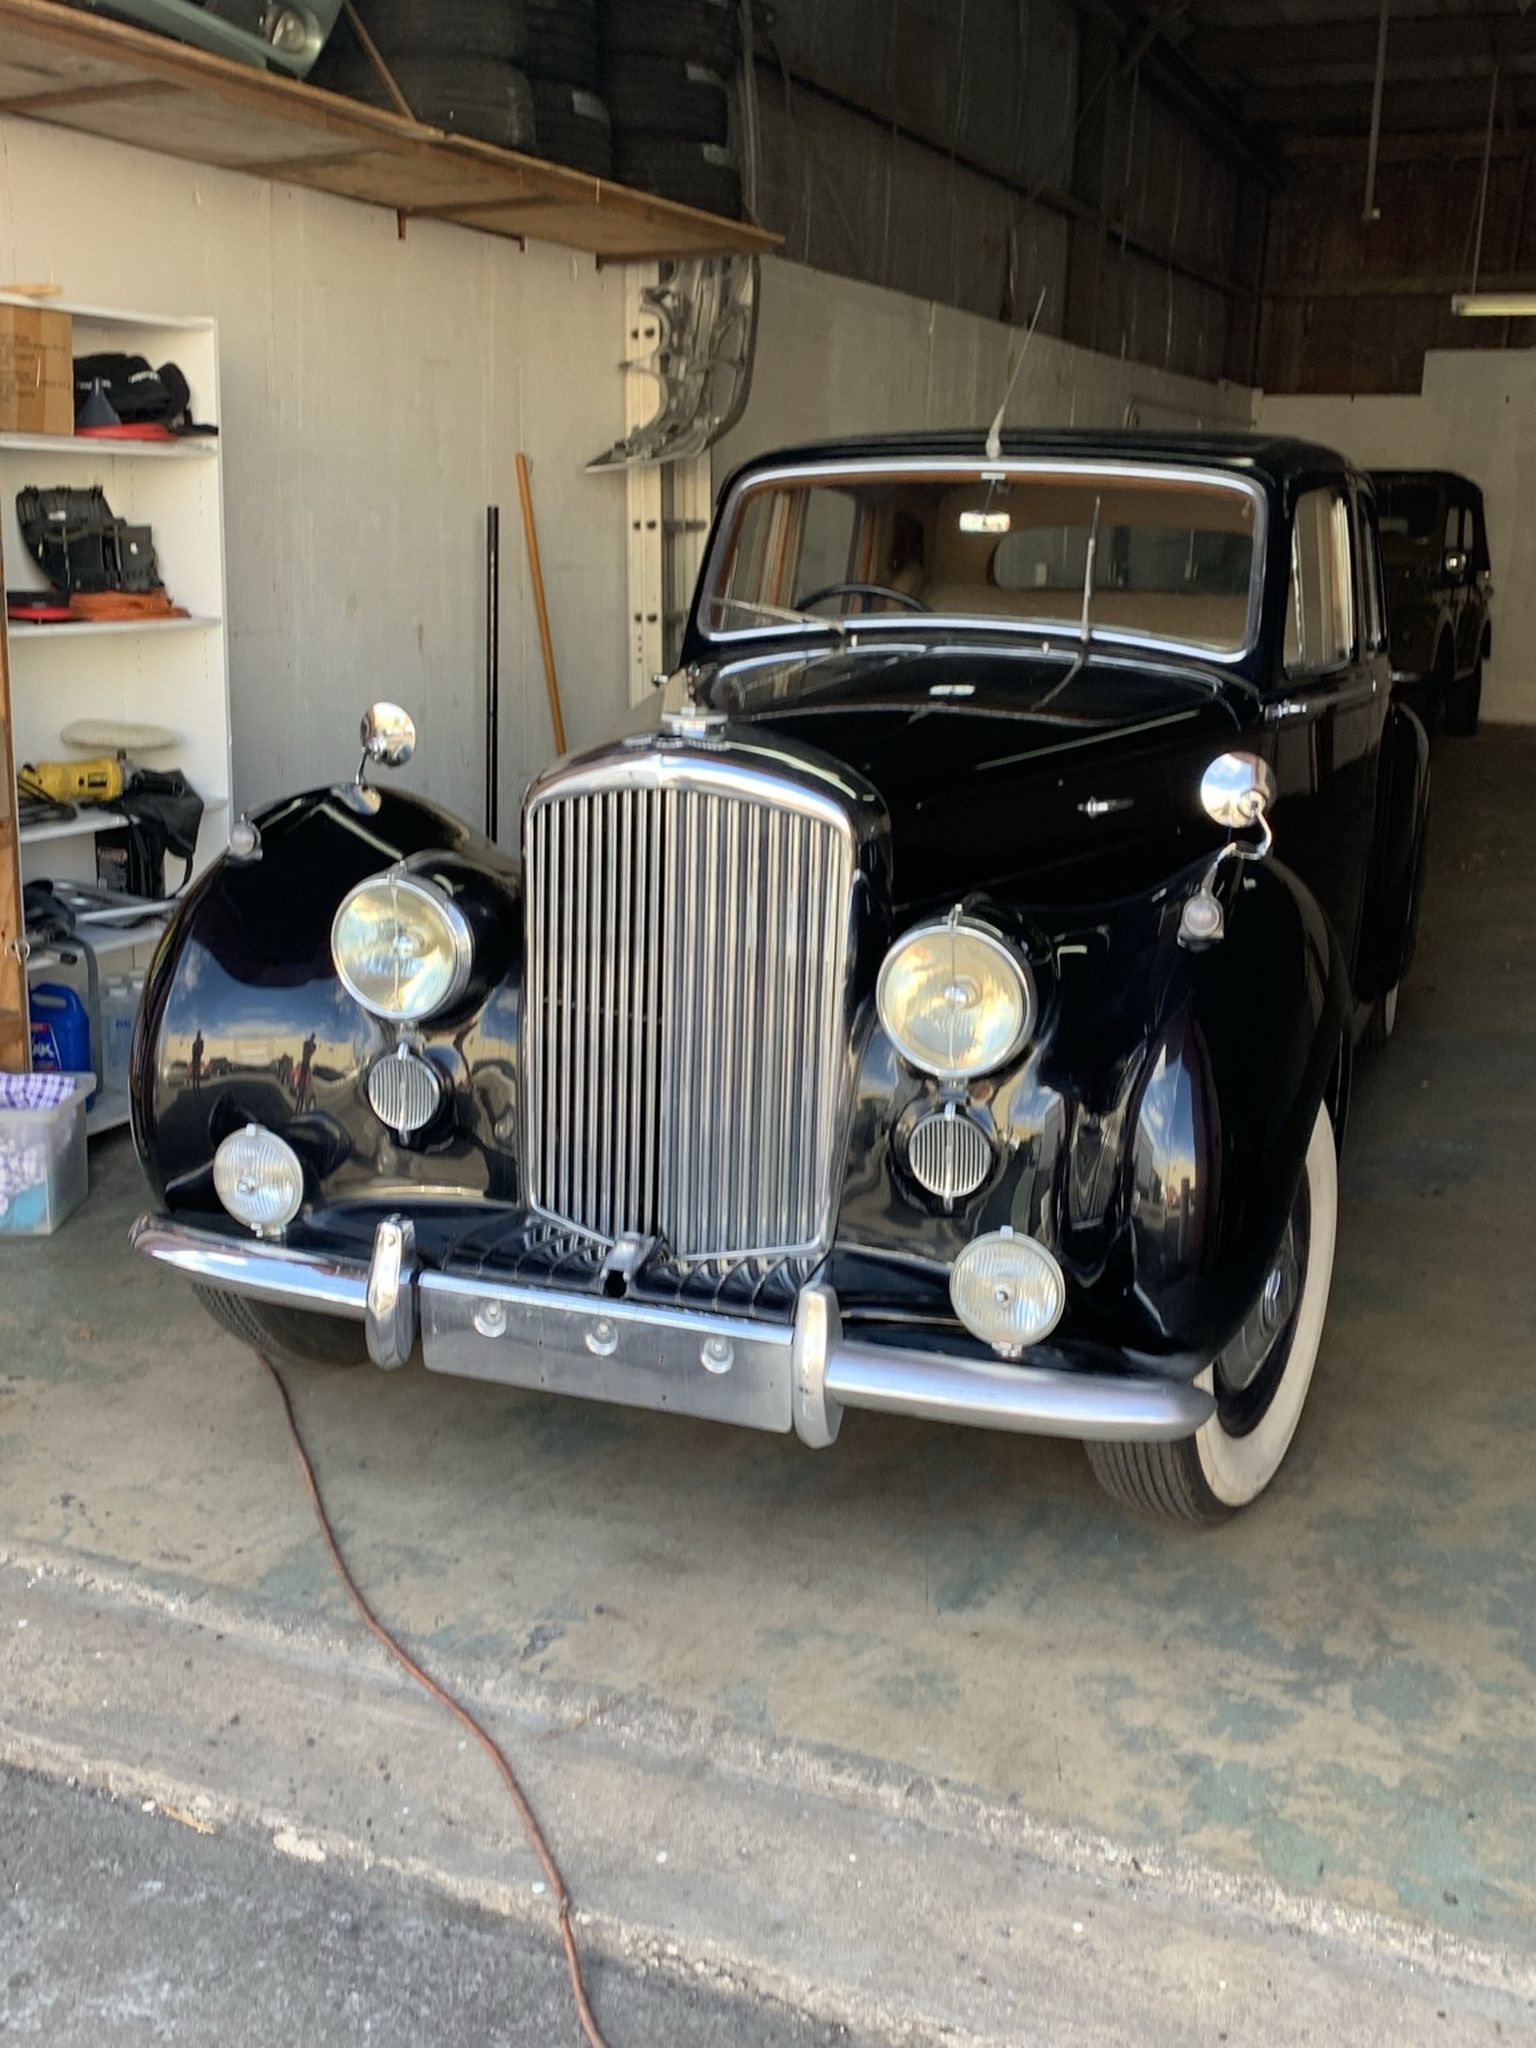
<point x="1236" y="792"/>
<point x="388" y="736"/>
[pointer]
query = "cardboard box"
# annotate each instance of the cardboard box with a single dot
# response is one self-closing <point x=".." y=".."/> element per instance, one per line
<point x="37" y="371"/>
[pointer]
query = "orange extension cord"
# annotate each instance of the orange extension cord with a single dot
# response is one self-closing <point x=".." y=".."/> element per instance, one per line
<point x="459" y="1711"/>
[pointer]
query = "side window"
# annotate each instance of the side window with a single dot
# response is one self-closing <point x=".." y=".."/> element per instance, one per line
<point x="1373" y="611"/>
<point x="1320" y="611"/>
<point x="1453" y="530"/>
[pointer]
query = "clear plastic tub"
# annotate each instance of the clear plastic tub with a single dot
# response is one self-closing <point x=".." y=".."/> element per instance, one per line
<point x="43" y="1172"/>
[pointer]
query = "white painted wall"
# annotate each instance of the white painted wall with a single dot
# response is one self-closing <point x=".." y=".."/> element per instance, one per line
<point x="375" y="393"/>
<point x="836" y="356"/>
<point x="1476" y="412"/>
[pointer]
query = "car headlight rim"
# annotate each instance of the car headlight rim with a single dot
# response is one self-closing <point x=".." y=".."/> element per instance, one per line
<point x="454" y="931"/>
<point x="972" y="930"/>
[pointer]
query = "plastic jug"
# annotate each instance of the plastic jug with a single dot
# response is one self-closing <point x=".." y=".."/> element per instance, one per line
<point x="120" y="995"/>
<point x="61" y="1030"/>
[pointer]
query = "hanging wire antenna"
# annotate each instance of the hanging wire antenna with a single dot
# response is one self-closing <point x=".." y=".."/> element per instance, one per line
<point x="995" y="431"/>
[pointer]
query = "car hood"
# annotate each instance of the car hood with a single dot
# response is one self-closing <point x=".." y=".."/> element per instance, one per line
<point x="1027" y="772"/>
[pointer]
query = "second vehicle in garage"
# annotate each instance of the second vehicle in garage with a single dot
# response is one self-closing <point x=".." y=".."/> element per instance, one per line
<point x="1434" y="539"/>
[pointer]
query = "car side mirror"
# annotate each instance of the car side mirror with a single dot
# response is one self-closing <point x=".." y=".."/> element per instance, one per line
<point x="1455" y="564"/>
<point x="388" y="734"/>
<point x="1236" y="790"/>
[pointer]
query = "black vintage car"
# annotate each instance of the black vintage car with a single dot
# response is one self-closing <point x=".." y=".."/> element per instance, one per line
<point x="1439" y="580"/>
<point x="945" y="1002"/>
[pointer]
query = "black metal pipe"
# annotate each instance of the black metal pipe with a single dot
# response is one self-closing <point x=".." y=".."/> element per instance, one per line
<point x="492" y="668"/>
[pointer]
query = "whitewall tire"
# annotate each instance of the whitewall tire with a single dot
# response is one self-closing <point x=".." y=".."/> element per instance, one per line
<point x="1260" y="1381"/>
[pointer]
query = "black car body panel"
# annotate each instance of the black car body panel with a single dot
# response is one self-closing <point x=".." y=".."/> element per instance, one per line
<point x="1152" y="1129"/>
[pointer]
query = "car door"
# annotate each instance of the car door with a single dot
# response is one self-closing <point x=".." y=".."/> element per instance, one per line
<point x="1328" y="712"/>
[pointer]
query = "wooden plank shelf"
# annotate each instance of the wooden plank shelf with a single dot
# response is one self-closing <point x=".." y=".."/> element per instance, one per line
<point x="94" y="629"/>
<point x="110" y="451"/>
<point x="110" y="79"/>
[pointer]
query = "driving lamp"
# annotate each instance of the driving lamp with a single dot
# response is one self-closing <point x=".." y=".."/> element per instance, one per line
<point x="956" y="999"/>
<point x="258" y="1178"/>
<point x="1007" y="1290"/>
<point x="401" y="947"/>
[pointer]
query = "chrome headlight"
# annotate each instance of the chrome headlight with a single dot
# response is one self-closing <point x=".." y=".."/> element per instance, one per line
<point x="258" y="1178"/>
<point x="402" y="947"/>
<point x="956" y="999"/>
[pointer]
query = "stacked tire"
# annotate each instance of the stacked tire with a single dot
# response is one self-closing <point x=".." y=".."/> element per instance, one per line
<point x="457" y="62"/>
<point x="667" y="66"/>
<point x="564" y="64"/>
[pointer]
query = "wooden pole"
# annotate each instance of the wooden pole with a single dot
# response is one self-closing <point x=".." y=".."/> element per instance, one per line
<point x="535" y="569"/>
<point x="371" y="52"/>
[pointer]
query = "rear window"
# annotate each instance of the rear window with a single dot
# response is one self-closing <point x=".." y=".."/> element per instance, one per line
<point x="1410" y="511"/>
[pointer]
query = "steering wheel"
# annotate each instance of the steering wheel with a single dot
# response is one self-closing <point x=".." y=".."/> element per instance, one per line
<point x="901" y="597"/>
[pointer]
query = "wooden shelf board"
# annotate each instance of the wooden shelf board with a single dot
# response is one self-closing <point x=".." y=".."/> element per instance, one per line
<point x="116" y="451"/>
<point x="74" y="629"/>
<point x="113" y="80"/>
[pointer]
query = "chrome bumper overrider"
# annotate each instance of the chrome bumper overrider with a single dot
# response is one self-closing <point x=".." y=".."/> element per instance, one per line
<point x="722" y="1367"/>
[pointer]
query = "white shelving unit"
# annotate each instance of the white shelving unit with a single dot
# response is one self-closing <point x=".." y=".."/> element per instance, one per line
<point x="170" y="672"/>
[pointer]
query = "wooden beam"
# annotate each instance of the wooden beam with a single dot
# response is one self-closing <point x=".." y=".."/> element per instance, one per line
<point x="1412" y="285"/>
<point x="1417" y="104"/>
<point x="1442" y="146"/>
<point x="1285" y="47"/>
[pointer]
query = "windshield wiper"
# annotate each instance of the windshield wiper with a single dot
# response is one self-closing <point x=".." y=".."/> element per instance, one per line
<point x="1085" y="636"/>
<point x="781" y="614"/>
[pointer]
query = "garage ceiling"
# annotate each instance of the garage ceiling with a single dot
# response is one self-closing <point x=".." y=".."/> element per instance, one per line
<point x="1306" y="67"/>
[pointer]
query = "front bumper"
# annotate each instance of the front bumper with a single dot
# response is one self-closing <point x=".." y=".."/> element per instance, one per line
<point x="724" y="1368"/>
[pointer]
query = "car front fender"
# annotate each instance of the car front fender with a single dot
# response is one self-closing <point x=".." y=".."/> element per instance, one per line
<point x="244" y="1019"/>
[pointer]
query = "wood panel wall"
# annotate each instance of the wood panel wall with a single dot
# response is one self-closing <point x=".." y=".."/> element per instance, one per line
<point x="1353" y="306"/>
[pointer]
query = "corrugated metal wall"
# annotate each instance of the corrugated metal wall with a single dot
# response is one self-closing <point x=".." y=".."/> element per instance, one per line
<point x="978" y="151"/>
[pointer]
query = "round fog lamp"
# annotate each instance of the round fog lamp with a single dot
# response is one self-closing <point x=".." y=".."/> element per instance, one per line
<point x="1008" y="1291"/>
<point x="259" y="1179"/>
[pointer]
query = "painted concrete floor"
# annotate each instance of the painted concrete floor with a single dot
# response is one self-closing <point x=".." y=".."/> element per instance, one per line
<point x="1334" y="1693"/>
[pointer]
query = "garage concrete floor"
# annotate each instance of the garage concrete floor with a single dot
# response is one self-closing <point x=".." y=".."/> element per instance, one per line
<point x="1325" y="1709"/>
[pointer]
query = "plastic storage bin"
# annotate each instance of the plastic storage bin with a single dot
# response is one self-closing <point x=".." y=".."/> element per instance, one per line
<point x="43" y="1170"/>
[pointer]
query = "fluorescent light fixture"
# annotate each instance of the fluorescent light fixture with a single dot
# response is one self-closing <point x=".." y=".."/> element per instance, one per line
<point x="1495" y="305"/>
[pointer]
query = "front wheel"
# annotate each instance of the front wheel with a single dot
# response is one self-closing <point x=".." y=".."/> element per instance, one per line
<point x="288" y="1336"/>
<point x="1464" y="705"/>
<point x="1260" y="1380"/>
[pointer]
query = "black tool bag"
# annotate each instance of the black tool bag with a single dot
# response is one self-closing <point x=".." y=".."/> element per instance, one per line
<point x="164" y="813"/>
<point x="134" y="393"/>
<point x="72" y="536"/>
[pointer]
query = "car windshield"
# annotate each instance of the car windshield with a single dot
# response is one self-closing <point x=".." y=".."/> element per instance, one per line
<point x="1411" y="515"/>
<point x="1174" y="556"/>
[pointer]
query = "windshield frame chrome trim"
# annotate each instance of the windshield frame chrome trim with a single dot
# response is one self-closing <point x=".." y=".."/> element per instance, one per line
<point x="922" y="466"/>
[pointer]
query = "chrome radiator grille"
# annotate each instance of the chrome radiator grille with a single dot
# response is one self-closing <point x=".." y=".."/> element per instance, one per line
<point x="686" y="1034"/>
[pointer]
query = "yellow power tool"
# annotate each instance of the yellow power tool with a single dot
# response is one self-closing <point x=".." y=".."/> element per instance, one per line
<point x="72" y="782"/>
